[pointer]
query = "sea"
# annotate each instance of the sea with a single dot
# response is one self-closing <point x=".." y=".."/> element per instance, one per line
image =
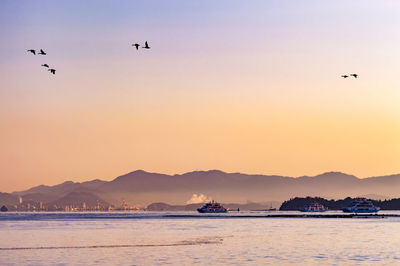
<point x="186" y="238"/>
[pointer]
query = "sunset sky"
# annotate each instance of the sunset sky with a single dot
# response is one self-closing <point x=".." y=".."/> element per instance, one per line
<point x="240" y="86"/>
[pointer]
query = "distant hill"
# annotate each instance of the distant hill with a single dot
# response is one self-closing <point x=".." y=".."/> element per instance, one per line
<point x="142" y="188"/>
<point x="296" y="204"/>
<point x="66" y="187"/>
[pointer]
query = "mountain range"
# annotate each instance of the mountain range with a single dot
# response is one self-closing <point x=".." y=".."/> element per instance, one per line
<point x="141" y="188"/>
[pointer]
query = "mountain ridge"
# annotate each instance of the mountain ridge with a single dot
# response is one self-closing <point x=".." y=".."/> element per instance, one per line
<point x="140" y="187"/>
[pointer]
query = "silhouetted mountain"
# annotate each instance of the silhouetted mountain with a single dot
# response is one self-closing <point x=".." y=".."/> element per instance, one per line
<point x="138" y="181"/>
<point x="64" y="188"/>
<point x="296" y="204"/>
<point x="141" y="187"/>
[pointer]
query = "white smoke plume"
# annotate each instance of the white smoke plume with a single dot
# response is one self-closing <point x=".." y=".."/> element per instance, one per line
<point x="200" y="198"/>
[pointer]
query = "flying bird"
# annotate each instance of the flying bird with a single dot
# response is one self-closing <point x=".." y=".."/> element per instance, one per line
<point x="52" y="70"/>
<point x="32" y="51"/>
<point x="344" y="76"/>
<point x="146" y="45"/>
<point x="42" y="52"/>
<point x="45" y="65"/>
<point x="354" y="75"/>
<point x="136" y="45"/>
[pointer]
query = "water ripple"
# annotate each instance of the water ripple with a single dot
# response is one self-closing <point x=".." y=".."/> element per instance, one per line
<point x="199" y="241"/>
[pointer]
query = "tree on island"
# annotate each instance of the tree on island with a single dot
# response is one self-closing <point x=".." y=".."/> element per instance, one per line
<point x="297" y="203"/>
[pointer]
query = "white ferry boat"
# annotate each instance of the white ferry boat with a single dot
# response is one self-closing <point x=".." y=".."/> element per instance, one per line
<point x="361" y="206"/>
<point x="212" y="207"/>
<point x="314" y="207"/>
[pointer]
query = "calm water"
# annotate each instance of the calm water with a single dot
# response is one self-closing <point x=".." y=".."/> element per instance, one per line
<point x="152" y="238"/>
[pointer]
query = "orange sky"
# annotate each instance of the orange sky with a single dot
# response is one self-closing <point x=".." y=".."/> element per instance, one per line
<point x="249" y="88"/>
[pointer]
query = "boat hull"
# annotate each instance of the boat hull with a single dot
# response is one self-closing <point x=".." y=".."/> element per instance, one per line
<point x="359" y="211"/>
<point x="212" y="211"/>
<point x="313" y="210"/>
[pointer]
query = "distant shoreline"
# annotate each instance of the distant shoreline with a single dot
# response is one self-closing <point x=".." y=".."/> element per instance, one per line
<point x="62" y="216"/>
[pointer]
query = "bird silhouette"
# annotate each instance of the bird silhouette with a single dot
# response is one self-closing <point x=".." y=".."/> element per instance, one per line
<point x="42" y="52"/>
<point x="146" y="45"/>
<point x="344" y="76"/>
<point x="136" y="45"/>
<point x="354" y="75"/>
<point x="32" y="51"/>
<point x="45" y="65"/>
<point x="52" y="70"/>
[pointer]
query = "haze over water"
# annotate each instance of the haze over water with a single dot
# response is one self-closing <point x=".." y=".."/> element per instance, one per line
<point x="152" y="238"/>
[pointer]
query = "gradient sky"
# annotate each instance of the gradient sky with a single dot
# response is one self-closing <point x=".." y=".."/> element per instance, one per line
<point x="240" y="86"/>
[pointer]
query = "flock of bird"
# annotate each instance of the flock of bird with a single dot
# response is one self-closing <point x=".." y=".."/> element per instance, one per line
<point x="146" y="46"/>
<point x="33" y="51"/>
<point x="53" y="71"/>
<point x="351" y="75"/>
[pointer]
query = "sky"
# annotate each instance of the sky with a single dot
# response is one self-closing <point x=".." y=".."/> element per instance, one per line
<point x="240" y="86"/>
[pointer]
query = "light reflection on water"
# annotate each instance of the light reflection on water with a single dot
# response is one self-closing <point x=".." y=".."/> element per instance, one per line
<point x="151" y="238"/>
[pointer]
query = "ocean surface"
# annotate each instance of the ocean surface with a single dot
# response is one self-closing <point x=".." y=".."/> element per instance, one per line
<point x="185" y="238"/>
